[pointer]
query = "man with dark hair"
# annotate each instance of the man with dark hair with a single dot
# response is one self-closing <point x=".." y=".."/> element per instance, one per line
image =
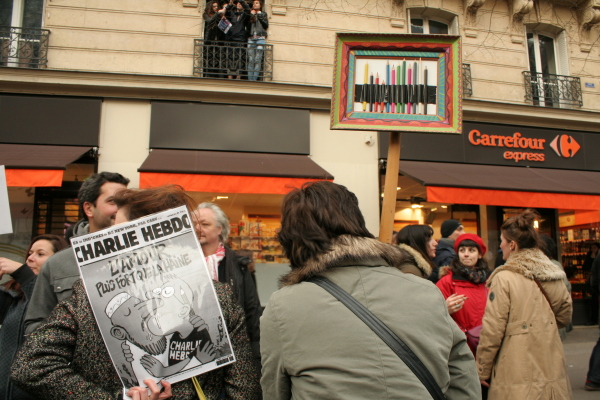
<point x="212" y="229"/>
<point x="55" y="281"/>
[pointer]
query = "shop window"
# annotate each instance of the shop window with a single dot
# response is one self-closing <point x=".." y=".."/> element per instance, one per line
<point x="548" y="80"/>
<point x="56" y="209"/>
<point x="432" y="21"/>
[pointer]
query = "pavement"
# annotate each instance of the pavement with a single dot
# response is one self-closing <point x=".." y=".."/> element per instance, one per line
<point x="578" y="348"/>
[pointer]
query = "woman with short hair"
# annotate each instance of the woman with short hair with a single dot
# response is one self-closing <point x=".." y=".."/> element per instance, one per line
<point x="520" y="349"/>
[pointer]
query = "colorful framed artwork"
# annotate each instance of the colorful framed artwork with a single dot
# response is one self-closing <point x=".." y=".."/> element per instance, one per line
<point x="397" y="82"/>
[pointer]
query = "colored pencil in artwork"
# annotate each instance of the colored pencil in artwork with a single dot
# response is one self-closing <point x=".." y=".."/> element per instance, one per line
<point x="404" y="86"/>
<point x="393" y="84"/>
<point x="387" y="79"/>
<point x="425" y="90"/>
<point x="398" y="91"/>
<point x="408" y="85"/>
<point x="415" y="94"/>
<point x="365" y="83"/>
<point x="377" y="93"/>
<point x="371" y="93"/>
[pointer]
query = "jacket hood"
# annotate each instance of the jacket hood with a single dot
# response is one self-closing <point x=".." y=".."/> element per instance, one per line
<point x="347" y="250"/>
<point x="443" y="271"/>
<point x="82" y="227"/>
<point x="421" y="263"/>
<point x="531" y="263"/>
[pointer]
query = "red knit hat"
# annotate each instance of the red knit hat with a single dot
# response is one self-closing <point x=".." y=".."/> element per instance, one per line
<point x="473" y="237"/>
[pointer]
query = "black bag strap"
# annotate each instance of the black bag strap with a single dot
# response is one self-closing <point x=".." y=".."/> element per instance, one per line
<point x="386" y="334"/>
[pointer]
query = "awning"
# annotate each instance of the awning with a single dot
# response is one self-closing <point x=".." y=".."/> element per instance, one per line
<point x="37" y="165"/>
<point x="229" y="172"/>
<point x="506" y="186"/>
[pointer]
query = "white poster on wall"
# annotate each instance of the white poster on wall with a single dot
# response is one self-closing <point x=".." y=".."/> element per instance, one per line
<point x="5" y="221"/>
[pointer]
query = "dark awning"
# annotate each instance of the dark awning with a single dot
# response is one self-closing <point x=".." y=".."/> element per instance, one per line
<point x="37" y="165"/>
<point x="506" y="186"/>
<point x="229" y="172"/>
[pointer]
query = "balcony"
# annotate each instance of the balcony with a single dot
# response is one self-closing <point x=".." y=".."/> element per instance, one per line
<point x="548" y="90"/>
<point x="467" y="83"/>
<point x="23" y="47"/>
<point x="215" y="59"/>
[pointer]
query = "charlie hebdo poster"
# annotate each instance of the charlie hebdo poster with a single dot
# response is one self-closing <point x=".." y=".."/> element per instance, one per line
<point x="153" y="298"/>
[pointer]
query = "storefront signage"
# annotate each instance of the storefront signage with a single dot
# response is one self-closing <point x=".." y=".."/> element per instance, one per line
<point x="509" y="145"/>
<point x="564" y="145"/>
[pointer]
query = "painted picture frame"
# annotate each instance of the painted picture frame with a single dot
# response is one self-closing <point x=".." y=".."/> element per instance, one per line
<point x="397" y="82"/>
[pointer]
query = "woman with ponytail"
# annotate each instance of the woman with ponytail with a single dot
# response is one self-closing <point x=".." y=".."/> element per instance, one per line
<point x="520" y="349"/>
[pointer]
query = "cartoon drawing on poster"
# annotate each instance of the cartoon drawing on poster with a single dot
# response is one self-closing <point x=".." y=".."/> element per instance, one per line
<point x="153" y="299"/>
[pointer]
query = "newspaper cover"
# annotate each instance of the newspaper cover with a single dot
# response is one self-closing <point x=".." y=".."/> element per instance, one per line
<point x="153" y="298"/>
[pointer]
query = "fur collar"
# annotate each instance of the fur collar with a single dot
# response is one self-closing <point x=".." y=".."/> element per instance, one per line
<point x="420" y="261"/>
<point x="346" y="250"/>
<point x="531" y="263"/>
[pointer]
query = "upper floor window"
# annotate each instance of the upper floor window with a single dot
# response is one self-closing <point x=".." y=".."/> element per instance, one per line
<point x="21" y="13"/>
<point x="432" y="21"/>
<point x="549" y="67"/>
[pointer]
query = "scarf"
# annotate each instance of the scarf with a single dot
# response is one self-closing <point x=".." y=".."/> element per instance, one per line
<point x="212" y="261"/>
<point x="475" y="275"/>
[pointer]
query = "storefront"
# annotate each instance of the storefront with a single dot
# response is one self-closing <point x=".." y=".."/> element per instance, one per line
<point x="497" y="170"/>
<point x="238" y="158"/>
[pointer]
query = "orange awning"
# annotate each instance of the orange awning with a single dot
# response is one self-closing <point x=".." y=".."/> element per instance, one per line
<point x="37" y="165"/>
<point x="512" y="198"/>
<point x="223" y="183"/>
<point x="506" y="186"/>
<point x="229" y="172"/>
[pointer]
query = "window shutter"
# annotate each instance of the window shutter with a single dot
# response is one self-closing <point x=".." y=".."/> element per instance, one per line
<point x="453" y="28"/>
<point x="562" y="54"/>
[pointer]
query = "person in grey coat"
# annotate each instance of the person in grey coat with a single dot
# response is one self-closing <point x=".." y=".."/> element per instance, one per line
<point x="314" y="347"/>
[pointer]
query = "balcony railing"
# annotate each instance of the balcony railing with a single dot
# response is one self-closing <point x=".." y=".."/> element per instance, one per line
<point x="550" y="90"/>
<point x="216" y="59"/>
<point x="467" y="83"/>
<point x="23" y="47"/>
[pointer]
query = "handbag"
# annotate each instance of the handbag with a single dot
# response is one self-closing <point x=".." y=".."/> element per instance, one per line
<point x="473" y="337"/>
<point x="386" y="334"/>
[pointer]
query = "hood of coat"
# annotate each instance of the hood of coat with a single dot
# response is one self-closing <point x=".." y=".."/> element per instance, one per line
<point x="531" y="263"/>
<point x="421" y="263"/>
<point x="82" y="227"/>
<point x="347" y="250"/>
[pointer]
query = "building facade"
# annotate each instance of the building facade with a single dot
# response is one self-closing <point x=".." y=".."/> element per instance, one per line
<point x="127" y="85"/>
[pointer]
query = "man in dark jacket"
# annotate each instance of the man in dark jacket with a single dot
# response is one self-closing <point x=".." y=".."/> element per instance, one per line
<point x="593" y="375"/>
<point x="451" y="229"/>
<point x="224" y="265"/>
<point x="55" y="281"/>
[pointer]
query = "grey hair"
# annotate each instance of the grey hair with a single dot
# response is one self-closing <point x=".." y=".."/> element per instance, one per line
<point x="220" y="218"/>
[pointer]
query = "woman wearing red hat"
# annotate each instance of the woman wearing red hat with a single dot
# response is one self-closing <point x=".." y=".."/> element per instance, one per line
<point x="463" y="285"/>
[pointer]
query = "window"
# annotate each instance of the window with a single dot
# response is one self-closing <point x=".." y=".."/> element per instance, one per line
<point x="21" y="13"/>
<point x="549" y="68"/>
<point x="432" y="21"/>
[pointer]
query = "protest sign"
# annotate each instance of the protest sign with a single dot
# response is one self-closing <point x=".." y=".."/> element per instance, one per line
<point x="153" y="298"/>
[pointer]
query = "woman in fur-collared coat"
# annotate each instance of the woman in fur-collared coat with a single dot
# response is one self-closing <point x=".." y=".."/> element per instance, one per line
<point x="520" y="350"/>
<point x="314" y="347"/>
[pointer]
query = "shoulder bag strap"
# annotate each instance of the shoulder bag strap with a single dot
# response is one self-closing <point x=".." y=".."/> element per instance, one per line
<point x="388" y="336"/>
<point x="544" y="293"/>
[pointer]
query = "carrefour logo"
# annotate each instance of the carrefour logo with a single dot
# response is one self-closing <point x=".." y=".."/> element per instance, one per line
<point x="565" y="146"/>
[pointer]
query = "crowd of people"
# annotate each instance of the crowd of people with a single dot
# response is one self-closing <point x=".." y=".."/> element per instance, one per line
<point x="354" y="318"/>
<point x="235" y="34"/>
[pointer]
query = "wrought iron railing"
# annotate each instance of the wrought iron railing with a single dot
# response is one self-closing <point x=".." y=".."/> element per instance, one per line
<point x="219" y="59"/>
<point x="23" y="47"/>
<point x="467" y="83"/>
<point x="551" y="90"/>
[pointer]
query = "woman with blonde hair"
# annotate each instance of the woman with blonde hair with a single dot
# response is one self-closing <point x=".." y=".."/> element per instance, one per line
<point x="520" y="349"/>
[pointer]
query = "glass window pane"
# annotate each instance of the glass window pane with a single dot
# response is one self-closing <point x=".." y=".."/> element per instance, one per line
<point x="6" y="7"/>
<point x="32" y="13"/>
<point x="437" y="28"/>
<point x="547" y="54"/>
<point x="531" y="52"/>
<point x="416" y="25"/>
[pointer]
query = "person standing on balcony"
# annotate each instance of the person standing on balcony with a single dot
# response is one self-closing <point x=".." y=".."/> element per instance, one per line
<point x="238" y="13"/>
<point x="257" y="38"/>
<point x="212" y="35"/>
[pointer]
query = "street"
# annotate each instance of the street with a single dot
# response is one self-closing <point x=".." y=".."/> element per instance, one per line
<point x="578" y="348"/>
